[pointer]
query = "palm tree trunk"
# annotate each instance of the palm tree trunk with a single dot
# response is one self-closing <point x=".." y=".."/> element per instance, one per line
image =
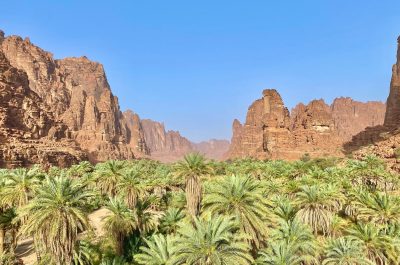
<point x="193" y="195"/>
<point x="120" y="244"/>
<point x="2" y="234"/>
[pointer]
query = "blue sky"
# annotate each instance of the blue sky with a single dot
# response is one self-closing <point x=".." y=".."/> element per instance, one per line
<point x="197" y="65"/>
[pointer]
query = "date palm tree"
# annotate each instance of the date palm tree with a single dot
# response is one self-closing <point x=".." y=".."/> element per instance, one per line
<point x="147" y="215"/>
<point x="379" y="207"/>
<point x="296" y="235"/>
<point x="374" y="242"/>
<point x="108" y="175"/>
<point x="55" y="216"/>
<point x="282" y="253"/>
<point x="192" y="168"/>
<point x="130" y="186"/>
<point x="19" y="186"/>
<point x="157" y="252"/>
<point x="284" y="208"/>
<point x="210" y="241"/>
<point x="345" y="251"/>
<point x="119" y="223"/>
<point x="317" y="205"/>
<point x="241" y="197"/>
<point x="170" y="221"/>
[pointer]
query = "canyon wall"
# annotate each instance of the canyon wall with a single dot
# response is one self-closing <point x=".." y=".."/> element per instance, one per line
<point x="383" y="140"/>
<point x="29" y="132"/>
<point x="271" y="132"/>
<point x="77" y="93"/>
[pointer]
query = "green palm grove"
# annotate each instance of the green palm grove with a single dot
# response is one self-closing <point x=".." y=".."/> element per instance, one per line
<point x="200" y="212"/>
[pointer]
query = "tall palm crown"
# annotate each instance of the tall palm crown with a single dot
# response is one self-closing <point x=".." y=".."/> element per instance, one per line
<point x="56" y="215"/>
<point x="210" y="241"/>
<point x="19" y="186"/>
<point x="241" y="197"/>
<point x="381" y="208"/>
<point x="281" y="253"/>
<point x="374" y="242"/>
<point x="192" y="168"/>
<point x="130" y="187"/>
<point x="317" y="205"/>
<point x="345" y="251"/>
<point x="157" y="252"/>
<point x="108" y="176"/>
<point x="120" y="222"/>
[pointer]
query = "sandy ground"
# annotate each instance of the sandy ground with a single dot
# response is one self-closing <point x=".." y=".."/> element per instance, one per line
<point x="25" y="249"/>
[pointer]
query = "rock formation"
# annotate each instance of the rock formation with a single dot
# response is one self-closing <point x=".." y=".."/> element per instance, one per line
<point x="29" y="133"/>
<point x="383" y="140"/>
<point x="212" y="149"/>
<point x="271" y="132"/>
<point x="166" y="146"/>
<point x="392" y="117"/>
<point x="136" y="137"/>
<point x="77" y="93"/>
<point x="74" y="103"/>
<point x="170" y="146"/>
<point x="352" y="117"/>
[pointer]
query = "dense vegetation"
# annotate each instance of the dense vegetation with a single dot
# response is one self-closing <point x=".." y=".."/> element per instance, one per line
<point x="321" y="211"/>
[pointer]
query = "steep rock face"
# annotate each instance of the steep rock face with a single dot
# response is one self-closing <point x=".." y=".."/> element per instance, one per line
<point x="77" y="92"/>
<point x="166" y="146"/>
<point x="352" y="117"/>
<point x="383" y="141"/>
<point x="212" y="149"/>
<point x="136" y="138"/>
<point x="29" y="133"/>
<point x="392" y="117"/>
<point x="317" y="128"/>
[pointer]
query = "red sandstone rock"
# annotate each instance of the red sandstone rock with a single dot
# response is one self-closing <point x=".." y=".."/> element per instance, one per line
<point x="212" y="149"/>
<point x="77" y="92"/>
<point x="317" y="128"/>
<point x="29" y="133"/>
<point x="383" y="141"/>
<point x="165" y="146"/>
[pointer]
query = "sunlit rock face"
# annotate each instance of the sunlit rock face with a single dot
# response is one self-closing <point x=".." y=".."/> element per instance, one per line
<point x="319" y="129"/>
<point x="29" y="131"/>
<point x="77" y="93"/>
<point x="392" y="118"/>
<point x="383" y="140"/>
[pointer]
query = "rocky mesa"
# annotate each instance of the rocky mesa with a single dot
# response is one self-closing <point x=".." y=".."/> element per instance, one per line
<point x="272" y="132"/>
<point x="72" y="108"/>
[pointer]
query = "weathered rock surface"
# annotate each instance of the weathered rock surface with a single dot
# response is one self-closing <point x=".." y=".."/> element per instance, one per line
<point x="392" y="117"/>
<point x="212" y="149"/>
<point x="166" y="146"/>
<point x="384" y="140"/>
<point x="136" y="137"/>
<point x="271" y="132"/>
<point x="76" y="91"/>
<point x="352" y="117"/>
<point x="29" y="134"/>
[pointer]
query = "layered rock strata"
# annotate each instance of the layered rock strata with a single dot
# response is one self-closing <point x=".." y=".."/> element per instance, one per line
<point x="271" y="132"/>
<point x="77" y="93"/>
<point x="29" y="133"/>
<point x="384" y="140"/>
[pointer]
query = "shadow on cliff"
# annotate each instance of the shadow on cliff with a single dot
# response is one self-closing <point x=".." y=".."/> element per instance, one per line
<point x="370" y="136"/>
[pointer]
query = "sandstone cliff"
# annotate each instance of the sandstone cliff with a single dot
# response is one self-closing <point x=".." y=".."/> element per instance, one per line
<point x="212" y="149"/>
<point x="166" y="146"/>
<point x="29" y="133"/>
<point x="383" y="140"/>
<point x="271" y="132"/>
<point x="76" y="92"/>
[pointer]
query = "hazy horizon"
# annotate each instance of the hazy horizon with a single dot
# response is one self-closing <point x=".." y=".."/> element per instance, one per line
<point x="197" y="67"/>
